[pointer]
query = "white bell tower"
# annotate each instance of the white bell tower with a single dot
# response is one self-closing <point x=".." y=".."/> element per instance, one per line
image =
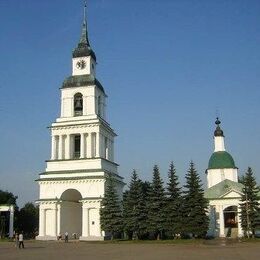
<point x="221" y="164"/>
<point x="82" y="154"/>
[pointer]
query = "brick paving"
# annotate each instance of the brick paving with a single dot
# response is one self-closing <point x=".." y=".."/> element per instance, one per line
<point x="37" y="250"/>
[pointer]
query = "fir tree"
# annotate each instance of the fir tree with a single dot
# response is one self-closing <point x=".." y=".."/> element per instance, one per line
<point x="173" y="203"/>
<point x="156" y="205"/>
<point x="241" y="179"/>
<point x="195" y="219"/>
<point x="134" y="208"/>
<point x="249" y="213"/>
<point x="110" y="211"/>
<point x="126" y="213"/>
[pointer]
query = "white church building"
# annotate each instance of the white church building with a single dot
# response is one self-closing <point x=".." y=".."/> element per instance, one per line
<point x="82" y="158"/>
<point x="82" y="154"/>
<point x="223" y="190"/>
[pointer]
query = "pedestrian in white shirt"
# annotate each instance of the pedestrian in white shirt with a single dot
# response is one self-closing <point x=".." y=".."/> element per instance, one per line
<point x="21" y="240"/>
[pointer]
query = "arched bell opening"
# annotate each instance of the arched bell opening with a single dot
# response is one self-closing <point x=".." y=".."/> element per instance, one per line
<point x="71" y="213"/>
<point x="78" y="104"/>
<point x="231" y="221"/>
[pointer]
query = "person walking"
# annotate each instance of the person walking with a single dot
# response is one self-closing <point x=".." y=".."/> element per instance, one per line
<point x="21" y="240"/>
<point x="16" y="240"/>
<point x="66" y="237"/>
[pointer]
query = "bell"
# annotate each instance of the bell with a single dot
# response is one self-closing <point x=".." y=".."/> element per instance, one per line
<point x="78" y="104"/>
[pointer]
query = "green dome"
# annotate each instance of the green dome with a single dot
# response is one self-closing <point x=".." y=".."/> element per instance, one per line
<point x="221" y="160"/>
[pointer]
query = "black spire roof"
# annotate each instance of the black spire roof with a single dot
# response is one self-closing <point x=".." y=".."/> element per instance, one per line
<point x="83" y="48"/>
<point x="218" y="131"/>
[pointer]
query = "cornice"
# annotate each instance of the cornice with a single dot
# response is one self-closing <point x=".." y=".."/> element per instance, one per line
<point x="81" y="159"/>
<point x="73" y="171"/>
<point x="62" y="180"/>
<point x="73" y="124"/>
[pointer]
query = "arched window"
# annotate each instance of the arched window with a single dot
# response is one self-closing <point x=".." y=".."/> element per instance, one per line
<point x="78" y="104"/>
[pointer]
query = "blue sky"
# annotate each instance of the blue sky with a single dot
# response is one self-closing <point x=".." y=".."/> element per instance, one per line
<point x="167" y="67"/>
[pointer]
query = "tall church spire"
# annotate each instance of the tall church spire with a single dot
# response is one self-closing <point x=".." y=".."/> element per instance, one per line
<point x="84" y="32"/>
<point x="83" y="49"/>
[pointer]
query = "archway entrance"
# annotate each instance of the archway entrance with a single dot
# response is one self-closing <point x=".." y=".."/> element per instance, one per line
<point x="231" y="221"/>
<point x="71" y="213"/>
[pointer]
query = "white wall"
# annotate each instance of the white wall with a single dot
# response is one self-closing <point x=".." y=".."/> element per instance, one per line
<point x="215" y="176"/>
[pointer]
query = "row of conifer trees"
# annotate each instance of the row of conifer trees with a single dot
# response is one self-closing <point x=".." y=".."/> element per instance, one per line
<point x="249" y="207"/>
<point x="152" y="211"/>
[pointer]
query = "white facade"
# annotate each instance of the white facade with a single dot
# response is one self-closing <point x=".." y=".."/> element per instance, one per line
<point x="224" y="192"/>
<point x="215" y="176"/>
<point x="82" y="155"/>
<point x="217" y="211"/>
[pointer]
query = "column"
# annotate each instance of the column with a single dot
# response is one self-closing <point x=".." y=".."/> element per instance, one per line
<point x="58" y="219"/>
<point x="106" y="146"/>
<point x="55" y="221"/>
<point x="85" y="112"/>
<point x="112" y="151"/>
<point x="56" y="147"/>
<point x="11" y="222"/>
<point x="67" y="147"/>
<point x="42" y="223"/>
<point x="97" y="144"/>
<point x="72" y="106"/>
<point x="109" y="148"/>
<point x="89" y="145"/>
<point x="82" y="145"/>
<point x="240" y="231"/>
<point x="85" y="221"/>
<point x="101" y="145"/>
<point x="60" y="148"/>
<point x="93" y="145"/>
<point x="53" y="147"/>
<point x="221" y="222"/>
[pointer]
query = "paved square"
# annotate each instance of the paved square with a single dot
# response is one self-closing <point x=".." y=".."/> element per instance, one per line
<point x="37" y="250"/>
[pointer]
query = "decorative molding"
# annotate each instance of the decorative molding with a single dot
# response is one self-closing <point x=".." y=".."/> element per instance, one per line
<point x="74" y="171"/>
<point x="71" y="180"/>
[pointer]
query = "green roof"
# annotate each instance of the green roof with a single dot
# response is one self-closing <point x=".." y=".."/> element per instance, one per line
<point x="221" y="160"/>
<point x="82" y="80"/>
<point x="222" y="188"/>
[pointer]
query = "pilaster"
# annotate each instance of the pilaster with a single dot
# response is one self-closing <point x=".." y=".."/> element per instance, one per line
<point x="53" y="147"/>
<point x="85" y="221"/>
<point x="42" y="223"/>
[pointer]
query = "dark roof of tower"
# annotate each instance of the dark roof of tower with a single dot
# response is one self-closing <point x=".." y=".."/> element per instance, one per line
<point x="81" y="81"/>
<point x="83" y="49"/>
<point x="218" y="131"/>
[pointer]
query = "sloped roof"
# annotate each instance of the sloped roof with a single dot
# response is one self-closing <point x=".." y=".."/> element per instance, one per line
<point x="222" y="188"/>
<point x="82" y="80"/>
